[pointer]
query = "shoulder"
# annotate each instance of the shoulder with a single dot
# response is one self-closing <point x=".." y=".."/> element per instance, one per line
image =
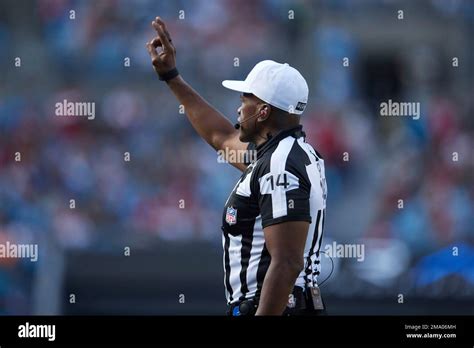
<point x="290" y="155"/>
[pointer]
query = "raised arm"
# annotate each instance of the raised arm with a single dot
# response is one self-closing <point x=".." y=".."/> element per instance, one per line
<point x="210" y="124"/>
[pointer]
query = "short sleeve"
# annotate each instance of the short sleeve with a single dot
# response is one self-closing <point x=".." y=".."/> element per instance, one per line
<point x="284" y="195"/>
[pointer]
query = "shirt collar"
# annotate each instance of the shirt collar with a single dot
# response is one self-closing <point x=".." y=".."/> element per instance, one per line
<point x="272" y="141"/>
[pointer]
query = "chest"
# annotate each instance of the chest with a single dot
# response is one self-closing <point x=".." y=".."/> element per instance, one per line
<point x="241" y="207"/>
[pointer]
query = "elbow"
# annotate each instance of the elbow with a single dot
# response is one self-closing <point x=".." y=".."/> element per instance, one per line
<point x="289" y="265"/>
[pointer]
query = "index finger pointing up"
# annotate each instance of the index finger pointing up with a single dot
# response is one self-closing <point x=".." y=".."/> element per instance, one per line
<point x="164" y="36"/>
<point x="163" y="25"/>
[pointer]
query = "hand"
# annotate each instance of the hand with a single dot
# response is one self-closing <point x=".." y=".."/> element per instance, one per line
<point x="165" y="60"/>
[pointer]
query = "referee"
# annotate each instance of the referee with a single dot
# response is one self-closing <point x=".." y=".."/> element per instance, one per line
<point x="273" y="219"/>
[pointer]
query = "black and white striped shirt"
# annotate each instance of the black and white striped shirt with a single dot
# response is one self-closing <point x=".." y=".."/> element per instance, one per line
<point x="285" y="183"/>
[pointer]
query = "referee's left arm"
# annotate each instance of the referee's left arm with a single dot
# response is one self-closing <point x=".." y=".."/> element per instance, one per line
<point x="285" y="243"/>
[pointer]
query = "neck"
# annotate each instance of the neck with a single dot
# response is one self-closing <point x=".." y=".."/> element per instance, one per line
<point x="264" y="136"/>
<point x="268" y="132"/>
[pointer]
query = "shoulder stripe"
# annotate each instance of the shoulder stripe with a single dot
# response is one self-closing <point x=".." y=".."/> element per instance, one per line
<point x="277" y="166"/>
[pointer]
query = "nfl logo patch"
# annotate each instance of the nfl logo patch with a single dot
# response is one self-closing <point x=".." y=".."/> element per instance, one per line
<point x="231" y="216"/>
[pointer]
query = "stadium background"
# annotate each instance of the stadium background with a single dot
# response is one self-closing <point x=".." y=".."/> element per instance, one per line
<point x="135" y="204"/>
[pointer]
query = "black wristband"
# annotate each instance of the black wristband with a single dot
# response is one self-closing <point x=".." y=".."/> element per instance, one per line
<point x="169" y="75"/>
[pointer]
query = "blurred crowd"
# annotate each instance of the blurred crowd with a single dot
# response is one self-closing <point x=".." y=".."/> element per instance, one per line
<point x="138" y="170"/>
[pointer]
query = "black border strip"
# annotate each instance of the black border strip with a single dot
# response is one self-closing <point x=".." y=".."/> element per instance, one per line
<point x="141" y="330"/>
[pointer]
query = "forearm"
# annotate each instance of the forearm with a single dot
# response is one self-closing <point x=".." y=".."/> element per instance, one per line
<point x="277" y="286"/>
<point x="210" y="124"/>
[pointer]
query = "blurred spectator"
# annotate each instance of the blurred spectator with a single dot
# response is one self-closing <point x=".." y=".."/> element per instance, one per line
<point x="172" y="186"/>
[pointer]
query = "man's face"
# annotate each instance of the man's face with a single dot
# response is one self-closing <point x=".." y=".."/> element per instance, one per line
<point x="248" y="111"/>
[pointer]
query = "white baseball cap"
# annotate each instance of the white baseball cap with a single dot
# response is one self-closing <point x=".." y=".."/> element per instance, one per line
<point x="277" y="84"/>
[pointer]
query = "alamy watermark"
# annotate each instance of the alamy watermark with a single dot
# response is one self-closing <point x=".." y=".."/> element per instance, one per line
<point x="24" y="251"/>
<point x="236" y="156"/>
<point x="393" y="108"/>
<point x="68" y="108"/>
<point x="335" y="250"/>
<point x="28" y="330"/>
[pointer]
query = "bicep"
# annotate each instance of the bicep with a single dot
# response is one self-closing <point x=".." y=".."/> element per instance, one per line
<point x="286" y="240"/>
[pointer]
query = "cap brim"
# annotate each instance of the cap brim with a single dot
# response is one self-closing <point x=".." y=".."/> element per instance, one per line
<point x="239" y="86"/>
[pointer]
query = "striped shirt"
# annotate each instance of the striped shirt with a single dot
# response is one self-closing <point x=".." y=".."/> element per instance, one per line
<point x="286" y="182"/>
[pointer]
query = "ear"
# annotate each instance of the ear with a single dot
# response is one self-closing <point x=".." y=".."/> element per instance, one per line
<point x="264" y="112"/>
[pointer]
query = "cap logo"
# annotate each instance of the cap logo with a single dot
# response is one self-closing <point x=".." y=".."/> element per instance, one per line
<point x="300" y="106"/>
